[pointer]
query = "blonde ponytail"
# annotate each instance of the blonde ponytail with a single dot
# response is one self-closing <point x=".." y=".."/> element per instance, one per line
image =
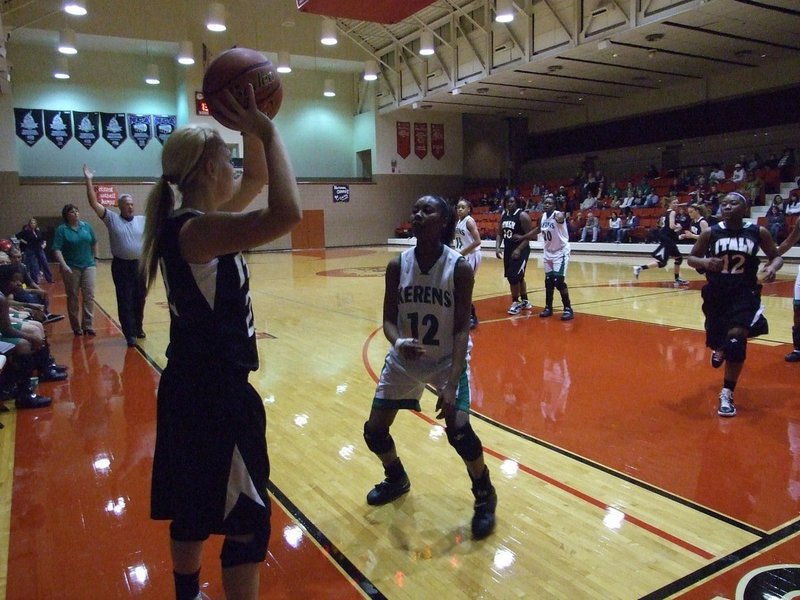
<point x="160" y="203"/>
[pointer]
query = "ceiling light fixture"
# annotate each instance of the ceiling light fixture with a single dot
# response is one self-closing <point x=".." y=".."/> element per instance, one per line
<point x="186" y="53"/>
<point x="216" y="17"/>
<point x="62" y="68"/>
<point x="504" y="11"/>
<point x="455" y="91"/>
<point x="426" y="43"/>
<point x="330" y="89"/>
<point x="76" y="8"/>
<point x="328" y="37"/>
<point x="370" y="70"/>
<point x="284" y="62"/>
<point x="604" y="44"/>
<point x="151" y="75"/>
<point x="66" y="42"/>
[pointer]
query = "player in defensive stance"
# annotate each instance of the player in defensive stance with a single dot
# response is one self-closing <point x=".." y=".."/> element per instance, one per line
<point x="553" y="228"/>
<point x="468" y="243"/>
<point x="426" y="320"/>
<point x="791" y="240"/>
<point x="732" y="297"/>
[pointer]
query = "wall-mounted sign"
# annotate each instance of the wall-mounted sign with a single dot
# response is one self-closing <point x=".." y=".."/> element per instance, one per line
<point x="58" y="126"/>
<point x="106" y="194"/>
<point x="141" y="129"/>
<point x="113" y="125"/>
<point x="87" y="127"/>
<point x="163" y="126"/>
<point x="341" y="193"/>
<point x="29" y="124"/>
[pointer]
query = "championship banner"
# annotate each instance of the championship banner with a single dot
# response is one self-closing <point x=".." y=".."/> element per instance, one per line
<point x="163" y="126"/>
<point x="29" y="124"/>
<point x="106" y="194"/>
<point x="113" y="128"/>
<point x="58" y="126"/>
<point x="341" y="193"/>
<point x="403" y="139"/>
<point x="87" y="127"/>
<point x="437" y="140"/>
<point x="141" y="129"/>
<point x="421" y="139"/>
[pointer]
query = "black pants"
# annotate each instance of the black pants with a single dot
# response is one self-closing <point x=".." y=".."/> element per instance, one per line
<point x="130" y="295"/>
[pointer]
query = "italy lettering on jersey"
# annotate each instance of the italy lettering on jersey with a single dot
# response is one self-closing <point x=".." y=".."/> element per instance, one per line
<point x="738" y="251"/>
<point x="554" y="234"/>
<point x="426" y="304"/>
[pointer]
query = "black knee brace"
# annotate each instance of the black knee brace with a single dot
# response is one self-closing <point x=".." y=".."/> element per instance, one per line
<point x="559" y="282"/>
<point x="678" y="260"/>
<point x="378" y="441"/>
<point x="736" y="349"/>
<point x="235" y="553"/>
<point x="550" y="281"/>
<point x="466" y="443"/>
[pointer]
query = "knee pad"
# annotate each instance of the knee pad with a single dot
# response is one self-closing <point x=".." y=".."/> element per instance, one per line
<point x="661" y="263"/>
<point x="736" y="349"/>
<point x="235" y="553"/>
<point x="678" y="260"/>
<point x="560" y="283"/>
<point x="549" y="280"/>
<point x="466" y="443"/>
<point x="379" y="441"/>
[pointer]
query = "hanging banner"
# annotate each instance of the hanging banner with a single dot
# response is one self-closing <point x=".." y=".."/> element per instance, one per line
<point x="87" y="127"/>
<point x="58" y="126"/>
<point x="106" y="194"/>
<point x="341" y="193"/>
<point x="113" y="128"/>
<point x="163" y="126"/>
<point x="141" y="129"/>
<point x="437" y="140"/>
<point x="403" y="139"/>
<point x="29" y="124"/>
<point x="421" y="139"/>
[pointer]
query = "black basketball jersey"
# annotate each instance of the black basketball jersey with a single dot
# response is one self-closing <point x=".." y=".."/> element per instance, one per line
<point x="211" y="315"/>
<point x="695" y="227"/>
<point x="666" y="230"/>
<point x="738" y="251"/>
<point x="510" y="225"/>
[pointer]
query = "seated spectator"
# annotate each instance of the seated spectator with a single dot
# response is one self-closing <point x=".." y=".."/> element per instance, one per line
<point x="589" y="202"/>
<point x="739" y="174"/>
<point x="755" y="163"/>
<point x="793" y="205"/>
<point x="614" y="228"/>
<point x="562" y="199"/>
<point x="651" y="200"/>
<point x="30" y="292"/>
<point x="777" y="200"/>
<point x="593" y="225"/>
<point x="630" y="223"/>
<point x="717" y="174"/>
<point x="776" y="222"/>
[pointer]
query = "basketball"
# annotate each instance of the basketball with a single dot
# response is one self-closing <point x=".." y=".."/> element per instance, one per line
<point x="232" y="70"/>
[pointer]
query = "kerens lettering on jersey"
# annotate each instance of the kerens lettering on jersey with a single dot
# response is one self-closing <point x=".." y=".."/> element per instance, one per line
<point x="734" y="244"/>
<point x="425" y="294"/>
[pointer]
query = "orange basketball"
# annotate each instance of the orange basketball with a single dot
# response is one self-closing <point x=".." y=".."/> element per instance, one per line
<point x="232" y="70"/>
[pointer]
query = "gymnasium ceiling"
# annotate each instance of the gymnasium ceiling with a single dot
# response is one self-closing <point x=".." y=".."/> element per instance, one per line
<point x="556" y="55"/>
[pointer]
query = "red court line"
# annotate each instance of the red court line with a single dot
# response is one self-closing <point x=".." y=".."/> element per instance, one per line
<point x="547" y="479"/>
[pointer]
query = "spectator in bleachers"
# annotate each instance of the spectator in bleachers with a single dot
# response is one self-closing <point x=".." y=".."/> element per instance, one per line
<point x="562" y="198"/>
<point x="793" y="205"/>
<point x="33" y="244"/>
<point x="614" y="228"/>
<point x="738" y="175"/>
<point x="777" y="200"/>
<point x="717" y="174"/>
<point x="592" y="225"/>
<point x="754" y="164"/>
<point x="31" y="293"/>
<point x="630" y="223"/>
<point x="776" y="221"/>
<point x="752" y="188"/>
<point x="589" y="202"/>
<point x="651" y="200"/>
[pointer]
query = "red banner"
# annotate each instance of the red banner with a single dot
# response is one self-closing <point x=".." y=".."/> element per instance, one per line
<point x="421" y="139"/>
<point x="403" y="139"/>
<point x="106" y="194"/>
<point x="437" y="140"/>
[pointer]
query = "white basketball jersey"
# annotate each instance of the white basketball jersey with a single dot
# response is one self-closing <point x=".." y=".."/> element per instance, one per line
<point x="426" y="304"/>
<point x="554" y="234"/>
<point x="463" y="239"/>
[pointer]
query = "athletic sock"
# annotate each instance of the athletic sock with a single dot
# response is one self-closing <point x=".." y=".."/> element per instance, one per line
<point x="395" y="470"/>
<point x="524" y="297"/>
<point x="644" y="267"/>
<point x="796" y="337"/>
<point x="731" y="385"/>
<point x="187" y="586"/>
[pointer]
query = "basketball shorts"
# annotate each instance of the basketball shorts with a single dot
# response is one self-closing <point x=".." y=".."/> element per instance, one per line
<point x="667" y="248"/>
<point x="556" y="263"/>
<point x="474" y="259"/>
<point x="514" y="268"/>
<point x="726" y="309"/>
<point x="402" y="382"/>
<point x="211" y="467"/>
<point x="797" y="288"/>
